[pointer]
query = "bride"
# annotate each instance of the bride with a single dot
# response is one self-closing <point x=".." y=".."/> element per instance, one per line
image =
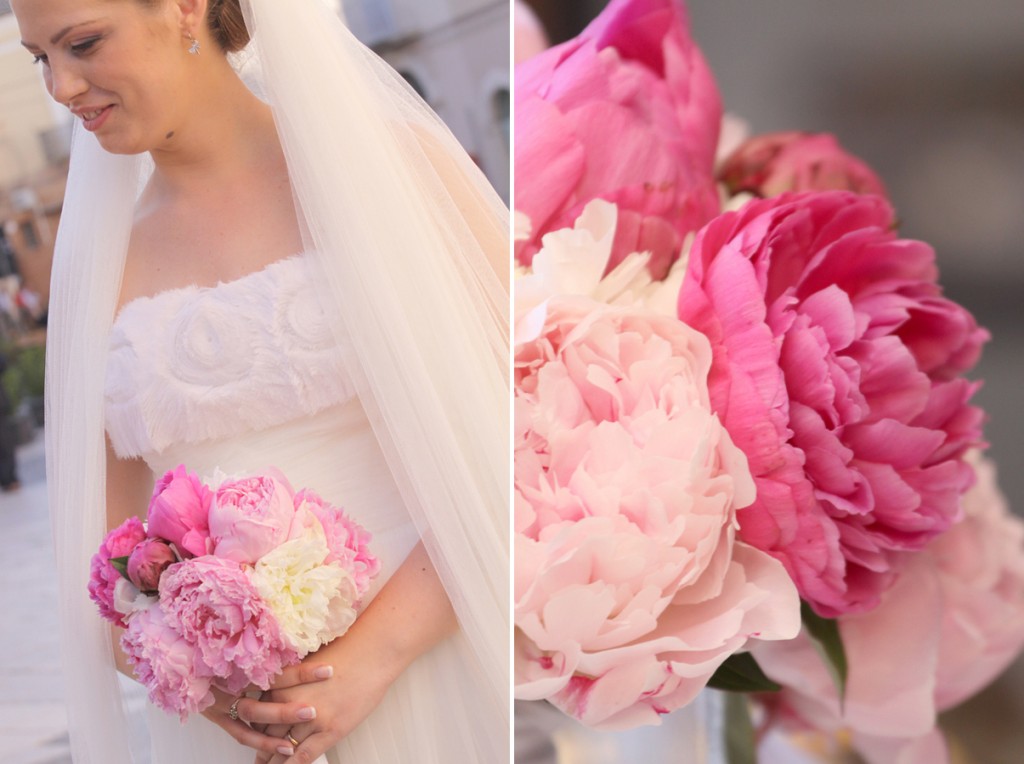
<point x="280" y="258"/>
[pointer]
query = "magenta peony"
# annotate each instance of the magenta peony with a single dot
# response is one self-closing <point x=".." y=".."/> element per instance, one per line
<point x="253" y="515"/>
<point x="347" y="541"/>
<point x="103" y="577"/>
<point x="165" y="663"/>
<point x="629" y="588"/>
<point x="951" y="624"/>
<point x="178" y="512"/>
<point x="147" y="563"/>
<point x="627" y="112"/>
<point x="769" y="165"/>
<point x="836" y="363"/>
<point x="213" y="604"/>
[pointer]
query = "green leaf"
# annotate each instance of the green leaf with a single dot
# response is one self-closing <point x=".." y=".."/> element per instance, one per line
<point x="740" y="673"/>
<point x="740" y="744"/>
<point x="120" y="564"/>
<point x="825" y="636"/>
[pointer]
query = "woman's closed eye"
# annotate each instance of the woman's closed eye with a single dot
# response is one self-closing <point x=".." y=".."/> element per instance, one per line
<point x="85" y="46"/>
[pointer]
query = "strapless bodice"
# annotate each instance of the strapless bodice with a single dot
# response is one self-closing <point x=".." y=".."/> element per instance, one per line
<point x="194" y="364"/>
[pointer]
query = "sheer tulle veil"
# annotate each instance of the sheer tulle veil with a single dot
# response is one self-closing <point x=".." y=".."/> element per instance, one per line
<point x="411" y="246"/>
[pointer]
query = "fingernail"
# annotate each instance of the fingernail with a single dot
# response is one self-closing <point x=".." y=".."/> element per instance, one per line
<point x="286" y="750"/>
<point x="307" y="713"/>
<point x="324" y="672"/>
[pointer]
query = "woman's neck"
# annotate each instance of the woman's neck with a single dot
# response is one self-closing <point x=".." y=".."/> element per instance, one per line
<point x="227" y="133"/>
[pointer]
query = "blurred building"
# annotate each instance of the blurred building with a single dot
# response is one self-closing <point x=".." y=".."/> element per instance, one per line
<point x="455" y="54"/>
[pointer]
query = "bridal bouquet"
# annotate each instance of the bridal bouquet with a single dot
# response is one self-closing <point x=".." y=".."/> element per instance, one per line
<point x="746" y="455"/>
<point x="224" y="587"/>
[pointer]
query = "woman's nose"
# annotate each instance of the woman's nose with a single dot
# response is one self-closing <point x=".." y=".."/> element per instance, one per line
<point x="65" y="82"/>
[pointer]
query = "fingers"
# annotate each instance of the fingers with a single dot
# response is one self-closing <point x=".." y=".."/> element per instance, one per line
<point x="250" y="738"/>
<point x="259" y="712"/>
<point x="302" y="673"/>
<point x="309" y="749"/>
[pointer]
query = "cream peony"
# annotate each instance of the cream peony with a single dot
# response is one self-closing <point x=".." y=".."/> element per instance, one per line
<point x="313" y="602"/>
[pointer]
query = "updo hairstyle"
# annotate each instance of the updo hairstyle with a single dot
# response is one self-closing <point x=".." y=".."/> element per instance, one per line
<point x="227" y="25"/>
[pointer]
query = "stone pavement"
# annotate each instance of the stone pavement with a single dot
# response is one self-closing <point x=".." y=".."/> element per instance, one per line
<point x="33" y="722"/>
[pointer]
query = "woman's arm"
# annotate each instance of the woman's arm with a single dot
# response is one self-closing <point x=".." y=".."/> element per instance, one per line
<point x="410" y="615"/>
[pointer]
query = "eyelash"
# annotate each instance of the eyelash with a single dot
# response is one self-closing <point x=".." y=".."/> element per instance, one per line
<point x="79" y="49"/>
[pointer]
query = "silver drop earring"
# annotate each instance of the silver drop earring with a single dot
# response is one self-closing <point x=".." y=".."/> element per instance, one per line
<point x="194" y="50"/>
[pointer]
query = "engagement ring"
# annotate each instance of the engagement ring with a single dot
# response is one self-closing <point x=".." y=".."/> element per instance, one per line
<point x="233" y="711"/>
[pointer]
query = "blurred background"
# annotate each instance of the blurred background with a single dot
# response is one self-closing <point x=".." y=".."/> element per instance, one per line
<point x="455" y="53"/>
<point x="930" y="93"/>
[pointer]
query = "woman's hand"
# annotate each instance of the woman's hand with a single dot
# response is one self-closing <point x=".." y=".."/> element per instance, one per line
<point x="268" y="711"/>
<point x="361" y="678"/>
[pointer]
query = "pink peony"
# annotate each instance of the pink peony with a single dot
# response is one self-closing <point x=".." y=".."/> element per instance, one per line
<point x="980" y="563"/>
<point x="769" y="165"/>
<point x="213" y="605"/>
<point x="147" y="563"/>
<point x="166" y="664"/>
<point x="836" y="363"/>
<point x="529" y="37"/>
<point x="103" y="577"/>
<point x="627" y="112"/>
<point x="347" y="541"/>
<point x="253" y="515"/>
<point x="179" y="510"/>
<point x="629" y="588"/>
<point x="952" y="623"/>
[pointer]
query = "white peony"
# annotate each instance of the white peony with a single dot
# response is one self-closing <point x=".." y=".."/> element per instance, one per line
<point x="313" y="602"/>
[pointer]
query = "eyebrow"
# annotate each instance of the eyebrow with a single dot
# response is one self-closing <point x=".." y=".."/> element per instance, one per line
<point x="60" y="35"/>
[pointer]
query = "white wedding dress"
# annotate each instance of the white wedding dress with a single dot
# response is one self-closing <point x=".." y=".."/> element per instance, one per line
<point x="246" y="375"/>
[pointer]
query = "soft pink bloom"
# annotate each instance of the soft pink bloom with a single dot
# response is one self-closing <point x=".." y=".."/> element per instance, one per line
<point x="836" y="370"/>
<point x="178" y="512"/>
<point x="529" y="37"/>
<point x="772" y="164"/>
<point x="166" y="664"/>
<point x="980" y="563"/>
<point x="627" y="112"/>
<point x="629" y="588"/>
<point x="147" y="563"/>
<point x="103" y="577"/>
<point x="253" y="515"/>
<point x="213" y="604"/>
<point x="952" y="623"/>
<point x="348" y="542"/>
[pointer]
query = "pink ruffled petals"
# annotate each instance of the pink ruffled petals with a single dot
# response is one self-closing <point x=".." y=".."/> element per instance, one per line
<point x="627" y="112"/>
<point x="834" y="357"/>
<point x="629" y="588"/>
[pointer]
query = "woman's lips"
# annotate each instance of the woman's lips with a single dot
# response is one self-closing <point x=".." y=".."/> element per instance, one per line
<point x="94" y="118"/>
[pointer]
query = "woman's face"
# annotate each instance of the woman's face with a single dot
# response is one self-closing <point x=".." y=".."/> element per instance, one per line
<point x="118" y="65"/>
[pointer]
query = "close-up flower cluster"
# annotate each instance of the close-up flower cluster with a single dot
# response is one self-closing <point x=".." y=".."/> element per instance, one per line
<point x="744" y="431"/>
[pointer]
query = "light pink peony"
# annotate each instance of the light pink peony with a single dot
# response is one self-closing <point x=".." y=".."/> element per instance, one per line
<point x="627" y="112"/>
<point x="165" y="663"/>
<point x="212" y="603"/>
<point x="147" y="563"/>
<point x="103" y="577"/>
<point x="348" y="542"/>
<point x="836" y="363"/>
<point x="529" y="38"/>
<point x="252" y="515"/>
<point x="772" y="164"/>
<point x="178" y="512"/>
<point x="951" y="624"/>
<point x="629" y="588"/>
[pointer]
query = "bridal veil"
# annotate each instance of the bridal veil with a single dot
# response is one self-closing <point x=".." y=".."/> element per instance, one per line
<point x="411" y="245"/>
